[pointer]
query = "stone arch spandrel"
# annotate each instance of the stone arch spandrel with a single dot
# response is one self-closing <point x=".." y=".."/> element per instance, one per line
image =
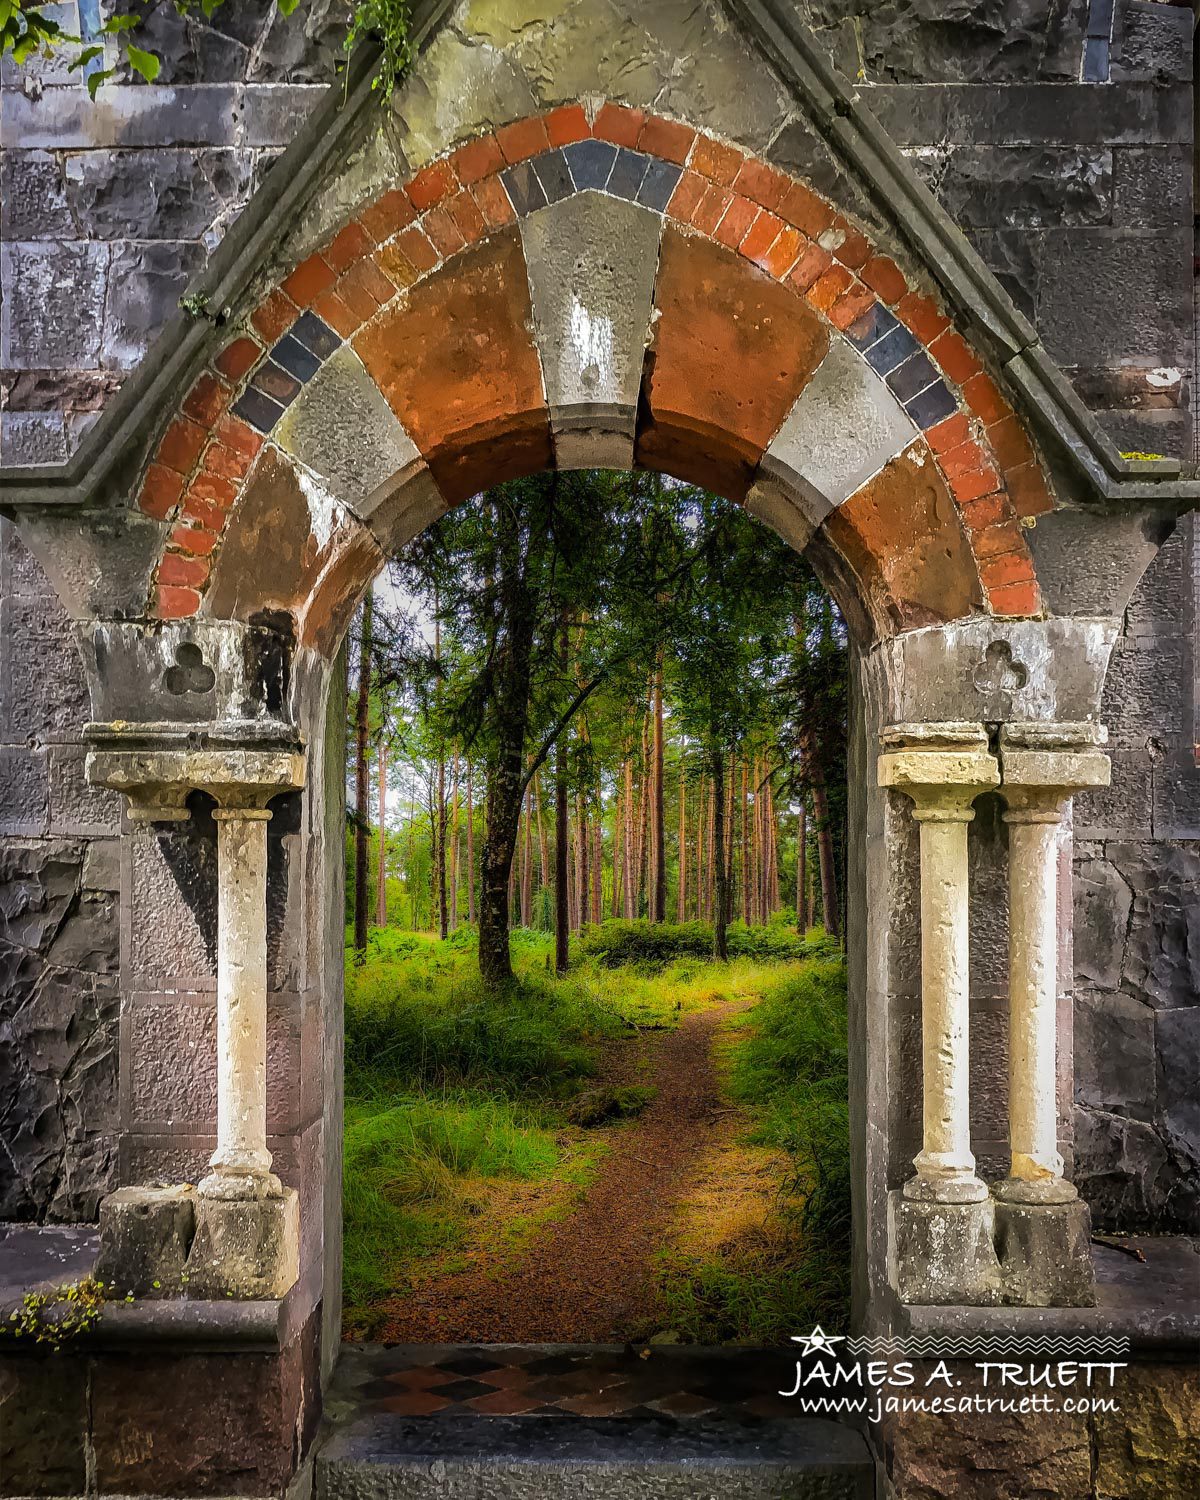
<point x="779" y="358"/>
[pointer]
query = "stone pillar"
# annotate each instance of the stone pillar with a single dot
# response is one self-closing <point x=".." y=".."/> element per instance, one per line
<point x="1045" y="1253"/>
<point x="245" y="1225"/>
<point x="943" y="768"/>
<point x="941" y="1222"/>
<point x="241" y="1164"/>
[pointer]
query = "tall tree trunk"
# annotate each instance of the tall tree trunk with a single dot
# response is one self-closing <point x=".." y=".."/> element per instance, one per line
<point x="747" y="857"/>
<point x="629" y="845"/>
<point x="617" y="847"/>
<point x="527" y="866"/>
<point x="597" y="866"/>
<point x="362" y="809"/>
<point x="659" y="835"/>
<point x="701" y="814"/>
<point x="470" y="844"/>
<point x="829" y="899"/>
<point x="721" y="892"/>
<point x="644" y="865"/>
<point x="443" y="914"/>
<point x="543" y="840"/>
<point x="710" y="871"/>
<point x="381" y="877"/>
<point x="562" y="906"/>
<point x="453" y="910"/>
<point x="801" y="868"/>
<point x="681" y="894"/>
<point x="581" y="863"/>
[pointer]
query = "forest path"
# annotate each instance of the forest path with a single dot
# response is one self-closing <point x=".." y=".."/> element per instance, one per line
<point x="588" y="1277"/>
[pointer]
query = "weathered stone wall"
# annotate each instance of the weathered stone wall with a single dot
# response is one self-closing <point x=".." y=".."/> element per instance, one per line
<point x="59" y="948"/>
<point x="1137" y="919"/>
<point x="1076" y="194"/>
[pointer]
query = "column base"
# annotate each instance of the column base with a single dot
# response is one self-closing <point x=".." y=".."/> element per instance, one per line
<point x="1045" y="1254"/>
<point x="145" y="1236"/>
<point x="1036" y="1190"/>
<point x="245" y="1248"/>
<point x="942" y="1254"/>
<point x="233" y="1184"/>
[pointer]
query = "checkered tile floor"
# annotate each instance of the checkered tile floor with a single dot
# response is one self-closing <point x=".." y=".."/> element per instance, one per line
<point x="539" y="1380"/>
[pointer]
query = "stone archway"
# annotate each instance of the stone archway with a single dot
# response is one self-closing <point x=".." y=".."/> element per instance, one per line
<point x="598" y="290"/>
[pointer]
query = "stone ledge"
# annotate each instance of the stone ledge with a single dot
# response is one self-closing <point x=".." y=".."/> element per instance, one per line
<point x="1154" y="1305"/>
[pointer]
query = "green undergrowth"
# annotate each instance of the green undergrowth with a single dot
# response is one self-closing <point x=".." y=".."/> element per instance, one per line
<point x="787" y="1066"/>
<point x="470" y="1118"/>
<point x="655" y="944"/>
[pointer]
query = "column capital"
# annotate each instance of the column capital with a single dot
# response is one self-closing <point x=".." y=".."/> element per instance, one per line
<point x="942" y="767"/>
<point x="157" y="781"/>
<point x="1044" y="764"/>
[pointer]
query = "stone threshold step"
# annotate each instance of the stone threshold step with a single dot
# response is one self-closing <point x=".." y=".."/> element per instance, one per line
<point x="384" y="1457"/>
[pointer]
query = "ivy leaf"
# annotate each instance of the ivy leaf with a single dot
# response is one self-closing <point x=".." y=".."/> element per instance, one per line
<point x="96" y="79"/>
<point x="6" y="10"/>
<point x="84" y="58"/>
<point x="146" y="63"/>
<point x="120" y="23"/>
<point x="286" y="7"/>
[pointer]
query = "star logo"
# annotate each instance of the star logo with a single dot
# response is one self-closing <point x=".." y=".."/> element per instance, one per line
<point x="818" y="1341"/>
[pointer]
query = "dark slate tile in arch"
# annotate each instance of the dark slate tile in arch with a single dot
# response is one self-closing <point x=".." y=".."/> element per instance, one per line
<point x="261" y="412"/>
<point x="892" y="349"/>
<point x="658" y="184"/>
<point x="626" y="176"/>
<point x="590" y="163"/>
<point x="295" y="358"/>
<point x="315" y="335"/>
<point x="276" y="383"/>
<point x="552" y="173"/>
<point x="909" y="379"/>
<point x="524" y="189"/>
<point x="874" y="324"/>
<point x="933" y="405"/>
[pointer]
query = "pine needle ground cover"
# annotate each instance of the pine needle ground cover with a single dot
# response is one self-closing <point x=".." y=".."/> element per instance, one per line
<point x="475" y="1121"/>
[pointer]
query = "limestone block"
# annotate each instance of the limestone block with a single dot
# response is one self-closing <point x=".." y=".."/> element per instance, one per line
<point x="942" y="1253"/>
<point x="1032" y="186"/>
<point x="1102" y="903"/>
<point x="1115" y="1067"/>
<point x="592" y="261"/>
<point x="1044" y="1254"/>
<point x="146" y="282"/>
<point x="76" y="807"/>
<point x="844" y="427"/>
<point x="168" y="195"/>
<point x="24" y="792"/>
<point x="245" y="1248"/>
<point x="33" y="197"/>
<point x="1147" y="1448"/>
<point x="54" y="303"/>
<point x="145" y="1236"/>
<point x="344" y="431"/>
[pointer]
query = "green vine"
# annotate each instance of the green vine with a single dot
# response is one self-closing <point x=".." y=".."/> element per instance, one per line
<point x="26" y="28"/>
<point x="56" y="1317"/>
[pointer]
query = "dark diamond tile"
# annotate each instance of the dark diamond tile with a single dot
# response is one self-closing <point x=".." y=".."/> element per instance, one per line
<point x="469" y="1364"/>
<point x="552" y="173"/>
<point x="659" y="183"/>
<point x="911" y="378"/>
<point x="590" y="162"/>
<point x="626" y="176"/>
<point x="463" y="1390"/>
<point x="276" y="383"/>
<point x="553" y="1364"/>
<point x="892" y="349"/>
<point x="295" y="358"/>
<point x="524" y="189"/>
<point x="315" y="335"/>
<point x="871" y="327"/>
<point x="932" y="406"/>
<point x="259" y="410"/>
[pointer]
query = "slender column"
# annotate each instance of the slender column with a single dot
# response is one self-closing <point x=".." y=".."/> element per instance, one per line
<point x="1038" y="785"/>
<point x="241" y="1164"/>
<point x="943" y="772"/>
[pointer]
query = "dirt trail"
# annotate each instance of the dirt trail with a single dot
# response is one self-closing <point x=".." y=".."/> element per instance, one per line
<point x="586" y="1278"/>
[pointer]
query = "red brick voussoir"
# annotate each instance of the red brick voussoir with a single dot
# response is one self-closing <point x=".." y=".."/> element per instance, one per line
<point x="778" y="223"/>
